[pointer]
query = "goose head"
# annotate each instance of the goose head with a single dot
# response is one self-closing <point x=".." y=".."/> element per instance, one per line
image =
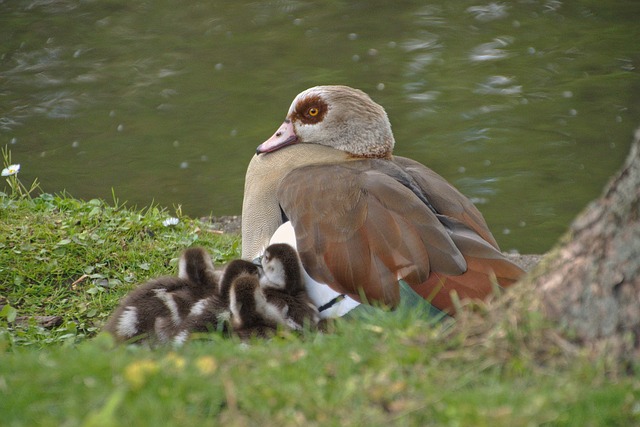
<point x="340" y="117"/>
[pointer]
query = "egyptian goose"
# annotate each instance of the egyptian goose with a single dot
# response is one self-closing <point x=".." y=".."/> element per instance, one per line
<point x="364" y="218"/>
<point x="284" y="286"/>
<point x="155" y="310"/>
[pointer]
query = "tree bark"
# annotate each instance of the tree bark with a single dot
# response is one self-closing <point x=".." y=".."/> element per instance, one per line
<point x="590" y="283"/>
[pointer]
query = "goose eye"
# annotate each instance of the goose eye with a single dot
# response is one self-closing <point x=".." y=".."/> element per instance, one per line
<point x="313" y="111"/>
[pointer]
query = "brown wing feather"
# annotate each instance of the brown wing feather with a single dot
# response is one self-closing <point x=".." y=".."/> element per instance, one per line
<point x="485" y="266"/>
<point x="476" y="283"/>
<point x="469" y="231"/>
<point x="446" y="198"/>
<point x="359" y="229"/>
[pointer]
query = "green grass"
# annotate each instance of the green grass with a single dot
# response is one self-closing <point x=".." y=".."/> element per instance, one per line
<point x="496" y="366"/>
<point x="62" y="256"/>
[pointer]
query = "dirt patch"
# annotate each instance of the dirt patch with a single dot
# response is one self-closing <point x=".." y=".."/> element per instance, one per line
<point x="225" y="224"/>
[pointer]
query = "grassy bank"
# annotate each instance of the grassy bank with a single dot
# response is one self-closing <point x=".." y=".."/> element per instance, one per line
<point x="73" y="260"/>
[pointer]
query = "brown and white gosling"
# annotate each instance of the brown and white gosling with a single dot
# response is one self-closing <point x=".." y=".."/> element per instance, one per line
<point x="250" y="312"/>
<point x="212" y="313"/>
<point x="284" y="287"/>
<point x="155" y="310"/>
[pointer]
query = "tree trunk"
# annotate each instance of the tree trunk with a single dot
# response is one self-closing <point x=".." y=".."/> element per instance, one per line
<point x="590" y="283"/>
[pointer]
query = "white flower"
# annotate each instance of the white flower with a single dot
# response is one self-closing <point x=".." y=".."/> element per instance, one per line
<point x="11" y="170"/>
<point x="170" y="221"/>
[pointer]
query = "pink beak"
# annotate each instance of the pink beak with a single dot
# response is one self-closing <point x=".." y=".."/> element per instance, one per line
<point x="284" y="136"/>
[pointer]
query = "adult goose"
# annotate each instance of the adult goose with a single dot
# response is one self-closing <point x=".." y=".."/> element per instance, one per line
<point x="364" y="218"/>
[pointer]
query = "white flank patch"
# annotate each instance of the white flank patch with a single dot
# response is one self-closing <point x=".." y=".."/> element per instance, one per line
<point x="292" y="324"/>
<point x="160" y="328"/>
<point x="182" y="268"/>
<point x="217" y="276"/>
<point x="316" y="314"/>
<point x="235" y="308"/>
<point x="128" y="322"/>
<point x="169" y="302"/>
<point x="198" y="308"/>
<point x="181" y="338"/>
<point x="270" y="311"/>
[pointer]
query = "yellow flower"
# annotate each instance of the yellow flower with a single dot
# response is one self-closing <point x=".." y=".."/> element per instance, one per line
<point x="206" y="364"/>
<point x="175" y="361"/>
<point x="137" y="372"/>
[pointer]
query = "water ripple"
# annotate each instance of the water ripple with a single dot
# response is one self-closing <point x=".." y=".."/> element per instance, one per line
<point x="491" y="51"/>
<point x="36" y="61"/>
<point x="498" y="85"/>
<point x="489" y="12"/>
<point x="427" y="96"/>
<point x="428" y="16"/>
<point x="57" y="105"/>
<point x="425" y="42"/>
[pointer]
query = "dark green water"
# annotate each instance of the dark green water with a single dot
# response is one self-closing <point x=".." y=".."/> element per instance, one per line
<point x="527" y="106"/>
